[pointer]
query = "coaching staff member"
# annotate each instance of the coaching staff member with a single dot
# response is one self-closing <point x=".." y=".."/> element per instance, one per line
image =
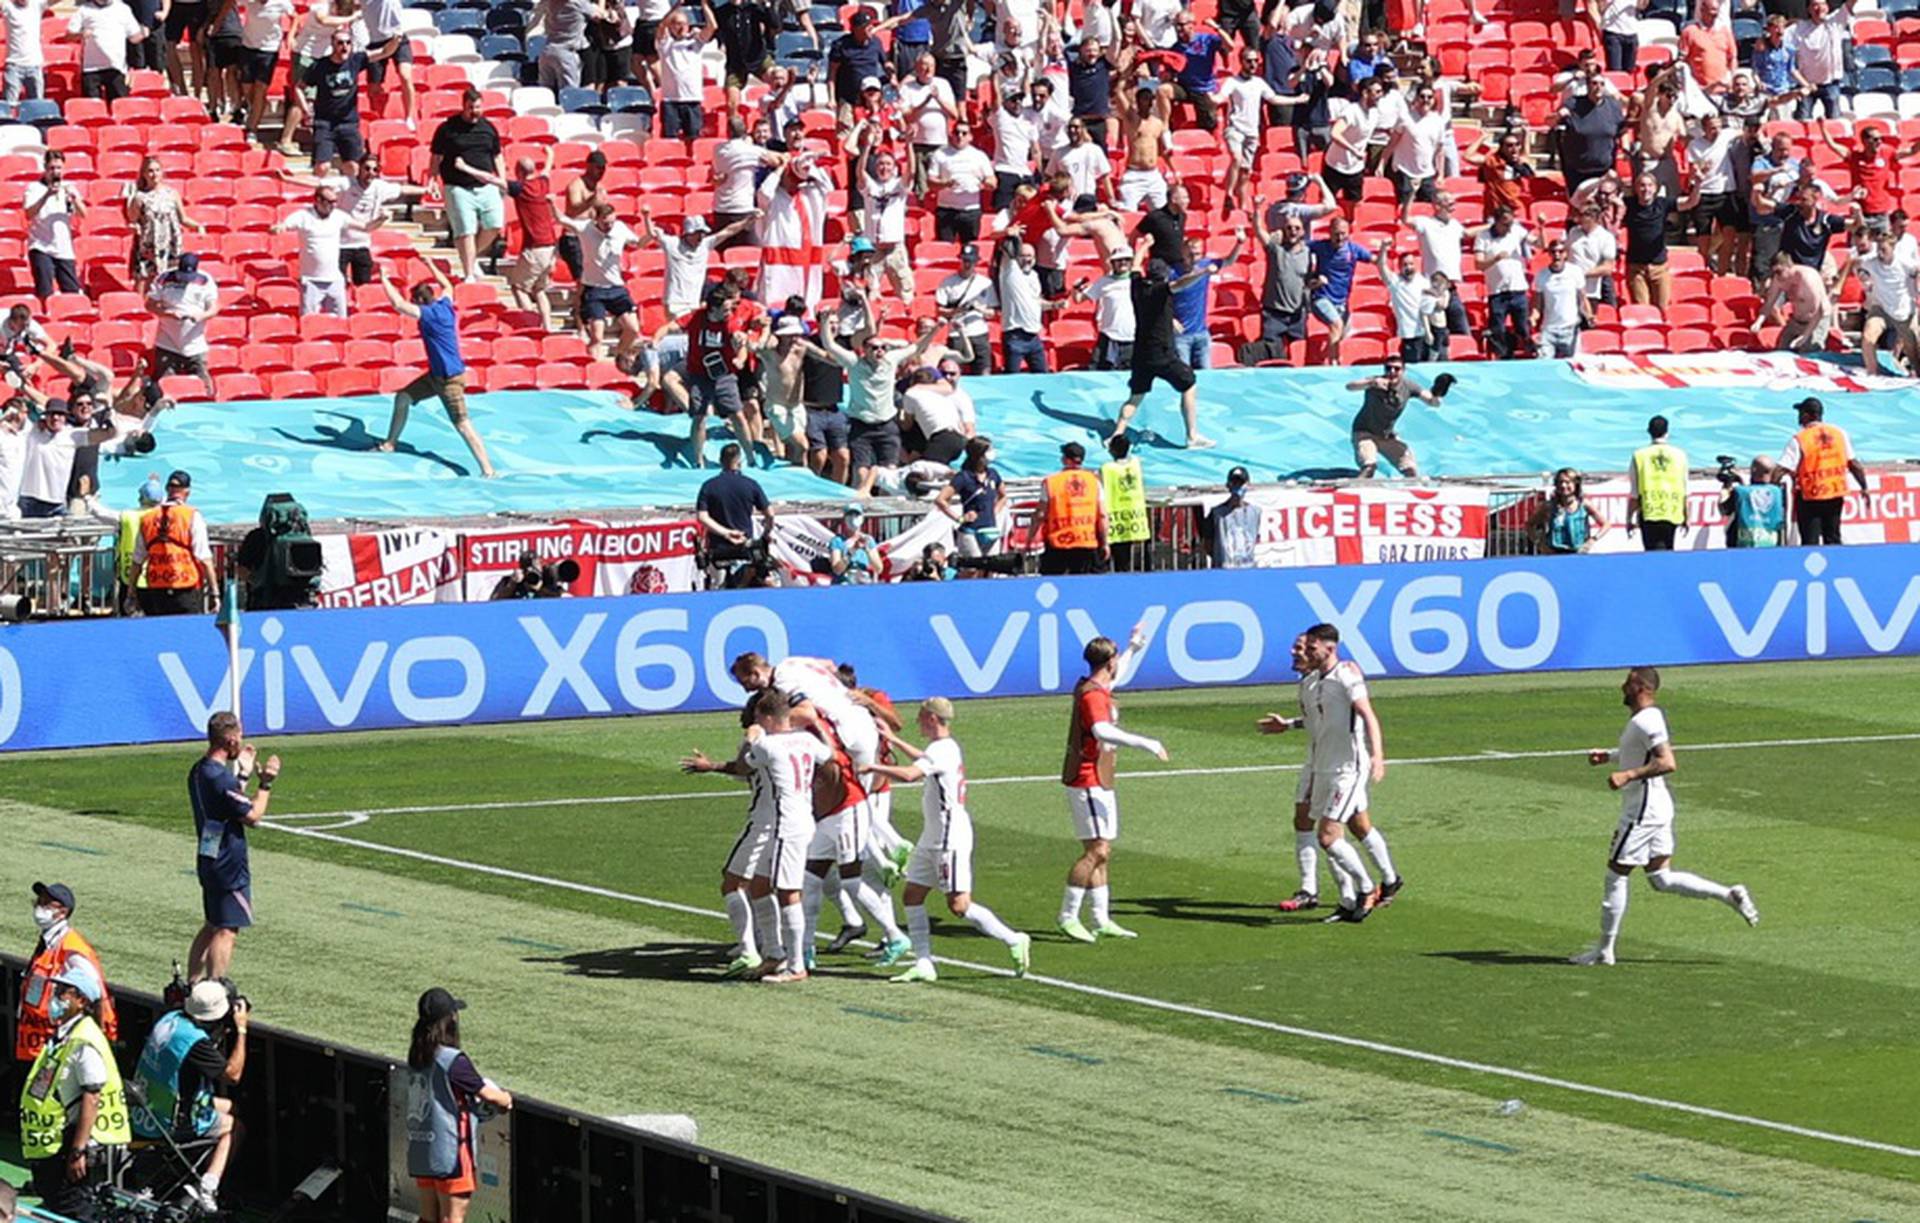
<point x="1818" y="460"/>
<point x="222" y="813"/>
<point x="1072" y="517"/>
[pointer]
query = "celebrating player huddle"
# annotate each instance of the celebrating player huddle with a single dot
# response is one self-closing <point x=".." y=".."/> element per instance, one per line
<point x="820" y="753"/>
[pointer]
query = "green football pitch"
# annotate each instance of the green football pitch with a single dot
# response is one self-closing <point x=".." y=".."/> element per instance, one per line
<point x="1233" y="1062"/>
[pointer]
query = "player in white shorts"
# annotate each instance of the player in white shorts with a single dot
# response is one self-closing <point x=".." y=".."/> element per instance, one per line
<point x="1093" y="735"/>
<point x="1315" y="656"/>
<point x="837" y="838"/>
<point x="780" y="763"/>
<point x="943" y="860"/>
<point x="816" y="682"/>
<point x="1645" y="836"/>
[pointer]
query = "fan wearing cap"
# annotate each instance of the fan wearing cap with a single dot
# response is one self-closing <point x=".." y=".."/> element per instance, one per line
<point x="172" y="555"/>
<point x="783" y="363"/>
<point x="193" y="1059"/>
<point x="59" y="948"/>
<point x="1233" y="525"/>
<point x="969" y="295"/>
<point x="1153" y="357"/>
<point x="444" y="1093"/>
<point x="48" y="456"/>
<point x="73" y="1103"/>
<point x="222" y="813"/>
<point x="852" y="556"/>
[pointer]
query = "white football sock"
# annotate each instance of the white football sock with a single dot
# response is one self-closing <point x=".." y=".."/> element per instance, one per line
<point x="1099" y="896"/>
<point x="740" y="914"/>
<point x="1344" y="882"/>
<point x="811" y="889"/>
<point x="849" y="911"/>
<point x="1685" y="883"/>
<point x="981" y="918"/>
<point x="879" y="904"/>
<point x="766" y="927"/>
<point x="1306" y="850"/>
<point x="882" y="837"/>
<point x="1613" y="907"/>
<point x="1071" y="902"/>
<point x="1342" y="853"/>
<point x="920" y="930"/>
<point x="1376" y="846"/>
<point x="793" y="925"/>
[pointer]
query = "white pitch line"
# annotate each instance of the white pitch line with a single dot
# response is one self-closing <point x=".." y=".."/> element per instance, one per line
<point x="1161" y="1004"/>
<point x="357" y="815"/>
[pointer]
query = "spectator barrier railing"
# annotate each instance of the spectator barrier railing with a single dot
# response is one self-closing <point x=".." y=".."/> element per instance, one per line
<point x="306" y="1103"/>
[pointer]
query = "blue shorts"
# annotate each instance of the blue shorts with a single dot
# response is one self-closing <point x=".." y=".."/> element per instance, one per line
<point x="604" y="301"/>
<point x="1330" y="312"/>
<point x="227" y="908"/>
<point x="826" y="429"/>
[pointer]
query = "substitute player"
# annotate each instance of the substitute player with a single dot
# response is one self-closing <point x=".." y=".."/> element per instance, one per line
<point x="1093" y="735"/>
<point x="1345" y="755"/>
<point x="1645" y="835"/>
<point x="783" y="765"/>
<point x="1305" y="833"/>
<point x="943" y="860"/>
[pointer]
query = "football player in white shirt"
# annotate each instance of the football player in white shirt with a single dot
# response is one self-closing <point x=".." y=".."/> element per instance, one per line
<point x="763" y="880"/>
<point x="943" y="861"/>
<point x="1645" y="836"/>
<point x="1345" y="754"/>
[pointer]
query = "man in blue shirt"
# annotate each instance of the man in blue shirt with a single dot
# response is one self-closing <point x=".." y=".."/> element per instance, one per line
<point x="1193" y="83"/>
<point x="1331" y="264"/>
<point x="1773" y="60"/>
<point x="222" y="813"/>
<point x="855" y="57"/>
<point x="1367" y="59"/>
<point x="446" y="376"/>
<point x="1090" y="85"/>
<point x="1192" y="340"/>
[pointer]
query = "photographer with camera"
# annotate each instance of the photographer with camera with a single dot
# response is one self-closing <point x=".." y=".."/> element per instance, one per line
<point x="73" y="1105"/>
<point x="727" y="506"/>
<point x="533" y="580"/>
<point x="193" y="1059"/>
<point x="222" y="813"/>
<point x="1756" y="512"/>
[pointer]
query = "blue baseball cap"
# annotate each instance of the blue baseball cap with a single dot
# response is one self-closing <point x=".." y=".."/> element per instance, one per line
<point x="153" y="492"/>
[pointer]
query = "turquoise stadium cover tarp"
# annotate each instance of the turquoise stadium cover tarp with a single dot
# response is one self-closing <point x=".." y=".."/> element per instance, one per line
<point x="579" y="450"/>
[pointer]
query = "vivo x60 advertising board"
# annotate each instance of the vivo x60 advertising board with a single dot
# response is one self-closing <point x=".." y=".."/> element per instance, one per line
<point x="149" y="680"/>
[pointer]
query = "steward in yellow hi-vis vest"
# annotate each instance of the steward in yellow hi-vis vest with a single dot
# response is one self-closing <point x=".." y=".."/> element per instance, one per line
<point x="1657" y="489"/>
<point x="73" y="1103"/>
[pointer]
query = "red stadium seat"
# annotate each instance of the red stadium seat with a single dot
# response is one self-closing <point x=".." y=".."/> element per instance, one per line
<point x="241" y="386"/>
<point x="293" y="384"/>
<point x="350" y="380"/>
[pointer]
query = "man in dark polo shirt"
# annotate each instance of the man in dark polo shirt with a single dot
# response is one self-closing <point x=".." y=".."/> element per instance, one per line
<point x="1648" y="280"/>
<point x="1166" y="228"/>
<point x="1805" y="230"/>
<point x="727" y="505"/>
<point x="222" y="813"/>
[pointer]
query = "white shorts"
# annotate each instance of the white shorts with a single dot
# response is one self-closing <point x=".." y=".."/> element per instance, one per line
<point x="880" y="809"/>
<point x="761" y="854"/>
<point x="838" y="837"/>
<point x="1303" y="790"/>
<point x="789" y="423"/>
<point x="1244" y="146"/>
<point x="1138" y="185"/>
<point x="1096" y="813"/>
<point x="1338" y="795"/>
<point x="948" y="868"/>
<point x="859" y="734"/>
<point x="1638" y="842"/>
<point x="324" y="297"/>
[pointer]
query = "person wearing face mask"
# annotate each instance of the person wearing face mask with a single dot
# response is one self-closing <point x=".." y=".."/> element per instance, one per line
<point x="73" y="1104"/>
<point x="59" y="948"/>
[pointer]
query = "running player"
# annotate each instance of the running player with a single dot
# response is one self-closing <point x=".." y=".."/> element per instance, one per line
<point x="943" y="861"/>
<point x="837" y="837"/>
<point x="1344" y="755"/>
<point x="1093" y="735"/>
<point x="1645" y="835"/>
<point x="781" y="764"/>
<point x="1305" y="833"/>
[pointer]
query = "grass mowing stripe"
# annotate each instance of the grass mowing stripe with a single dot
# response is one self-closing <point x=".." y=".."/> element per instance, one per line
<point x="1067" y="1055"/>
<point x="359" y="815"/>
<point x="1692" y="1186"/>
<point x="870" y="1013"/>
<point x="354" y="906"/>
<point x="1485" y="1144"/>
<point x="1178" y="1008"/>
<point x="1265" y="1097"/>
<point x="73" y="849"/>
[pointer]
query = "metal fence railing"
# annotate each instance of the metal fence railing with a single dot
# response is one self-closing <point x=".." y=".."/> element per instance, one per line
<point x="307" y="1103"/>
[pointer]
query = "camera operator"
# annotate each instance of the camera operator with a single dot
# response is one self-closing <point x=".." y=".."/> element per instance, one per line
<point x="1756" y="512"/>
<point x="933" y="566"/>
<point x="533" y="580"/>
<point x="193" y="1059"/>
<point x="726" y="507"/>
<point x="73" y="1104"/>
